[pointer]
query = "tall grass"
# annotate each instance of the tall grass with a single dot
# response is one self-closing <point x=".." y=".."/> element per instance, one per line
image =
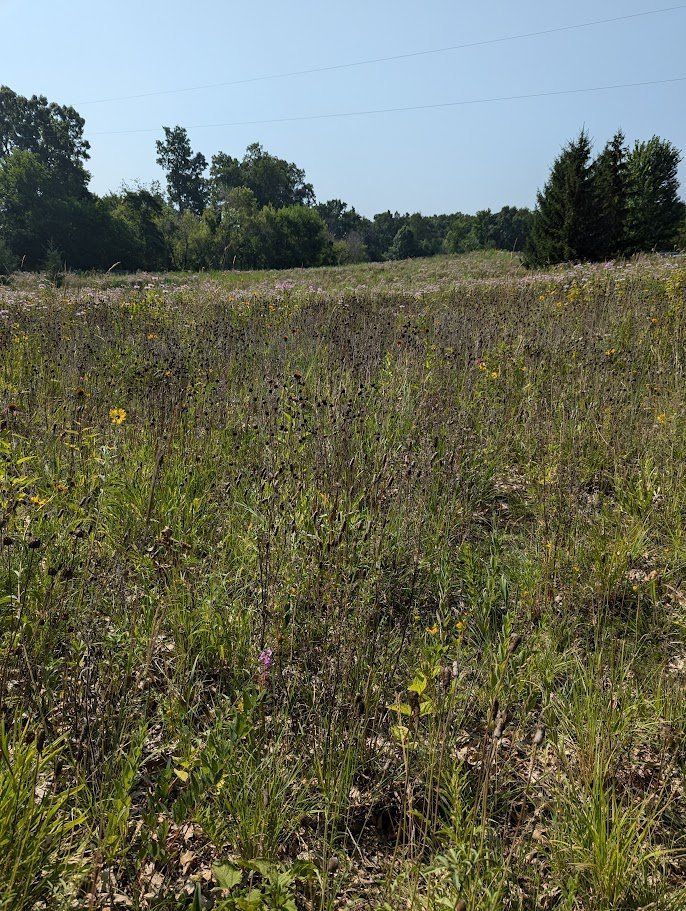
<point x="354" y="589"/>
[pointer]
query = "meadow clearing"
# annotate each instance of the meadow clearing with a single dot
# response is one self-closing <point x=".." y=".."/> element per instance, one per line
<point x="358" y="587"/>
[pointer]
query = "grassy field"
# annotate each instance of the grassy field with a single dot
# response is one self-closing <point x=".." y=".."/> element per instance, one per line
<point x="352" y="588"/>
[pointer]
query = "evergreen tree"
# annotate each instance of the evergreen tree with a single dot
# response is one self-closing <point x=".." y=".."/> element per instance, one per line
<point x="185" y="182"/>
<point x="563" y="221"/>
<point x="405" y="245"/>
<point x="654" y="210"/>
<point x="610" y="185"/>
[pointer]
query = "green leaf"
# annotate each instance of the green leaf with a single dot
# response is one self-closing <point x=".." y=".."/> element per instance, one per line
<point x="252" y="902"/>
<point x="400" y="732"/>
<point x="419" y="684"/>
<point x="227" y="875"/>
<point x="402" y="708"/>
<point x="264" y="867"/>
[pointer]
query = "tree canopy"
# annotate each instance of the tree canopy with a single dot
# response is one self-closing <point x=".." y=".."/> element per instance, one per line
<point x="274" y="181"/>
<point x="186" y="184"/>
<point x="621" y="203"/>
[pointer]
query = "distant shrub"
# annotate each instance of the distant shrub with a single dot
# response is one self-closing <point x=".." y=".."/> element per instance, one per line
<point x="54" y="266"/>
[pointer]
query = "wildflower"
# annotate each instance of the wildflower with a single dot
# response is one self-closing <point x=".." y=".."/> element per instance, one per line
<point x="610" y="352"/>
<point x="117" y="416"/>
<point x="432" y="630"/>
<point x="661" y="418"/>
<point x="264" y="663"/>
<point x="37" y="501"/>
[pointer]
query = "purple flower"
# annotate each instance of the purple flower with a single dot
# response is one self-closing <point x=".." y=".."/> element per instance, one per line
<point x="265" y="659"/>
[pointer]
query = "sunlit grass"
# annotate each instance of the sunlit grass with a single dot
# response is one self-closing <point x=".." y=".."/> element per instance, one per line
<point x="345" y="588"/>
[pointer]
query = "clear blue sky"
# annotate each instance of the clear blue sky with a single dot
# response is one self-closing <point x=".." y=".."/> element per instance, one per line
<point x="461" y="158"/>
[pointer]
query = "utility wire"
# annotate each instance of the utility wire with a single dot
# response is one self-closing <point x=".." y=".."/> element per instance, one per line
<point x="417" y="107"/>
<point x="406" y="56"/>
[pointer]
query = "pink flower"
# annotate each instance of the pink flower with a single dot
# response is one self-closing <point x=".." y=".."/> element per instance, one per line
<point x="264" y="662"/>
<point x="265" y="659"/>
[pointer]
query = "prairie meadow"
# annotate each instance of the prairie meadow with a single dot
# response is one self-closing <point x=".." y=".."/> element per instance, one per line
<point x="348" y="588"/>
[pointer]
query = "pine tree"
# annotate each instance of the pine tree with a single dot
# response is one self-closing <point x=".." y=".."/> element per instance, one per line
<point x="563" y="226"/>
<point x="610" y="188"/>
<point x="654" y="210"/>
<point x="405" y="245"/>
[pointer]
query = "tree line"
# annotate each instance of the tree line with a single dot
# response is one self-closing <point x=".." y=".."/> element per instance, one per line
<point x="259" y="211"/>
<point x="625" y="201"/>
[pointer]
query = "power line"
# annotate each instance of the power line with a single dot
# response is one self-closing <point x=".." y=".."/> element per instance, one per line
<point x="406" y="56"/>
<point x="417" y="107"/>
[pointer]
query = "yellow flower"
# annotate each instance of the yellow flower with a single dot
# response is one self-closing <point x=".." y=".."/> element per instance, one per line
<point x="117" y="416"/>
<point x="37" y="501"/>
<point x="610" y="352"/>
<point x="495" y="374"/>
<point x="432" y="630"/>
<point x="459" y="625"/>
<point x="661" y="418"/>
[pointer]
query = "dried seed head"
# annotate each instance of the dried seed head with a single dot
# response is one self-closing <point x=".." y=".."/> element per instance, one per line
<point x="500" y="724"/>
<point x="539" y="736"/>
<point x="513" y="645"/>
